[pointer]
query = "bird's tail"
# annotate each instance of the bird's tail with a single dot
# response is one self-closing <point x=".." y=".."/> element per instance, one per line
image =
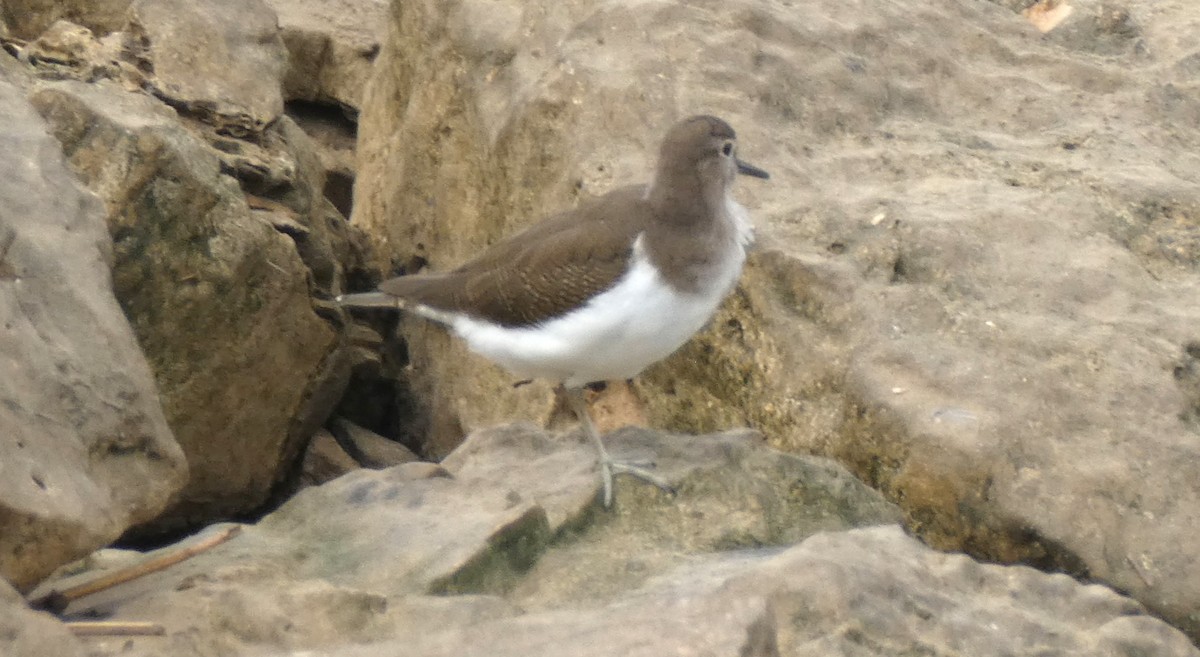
<point x="384" y="300"/>
<point x="370" y="300"/>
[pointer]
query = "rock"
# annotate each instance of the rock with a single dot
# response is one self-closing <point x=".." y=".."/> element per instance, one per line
<point x="369" y="448"/>
<point x="218" y="297"/>
<point x="333" y="250"/>
<point x="66" y="44"/>
<point x="221" y="60"/>
<point x="336" y="135"/>
<point x="67" y="51"/>
<point x="328" y="458"/>
<point x="331" y="48"/>
<point x="85" y="451"/>
<point x="27" y="19"/>
<point x="1105" y="28"/>
<point x="30" y="633"/>
<point x="980" y="248"/>
<point x="865" y="592"/>
<point x="285" y="177"/>
<point x="729" y="566"/>
<point x="728" y="498"/>
<point x="378" y="396"/>
<point x="325" y="460"/>
<point x="612" y="407"/>
<point x="15" y="71"/>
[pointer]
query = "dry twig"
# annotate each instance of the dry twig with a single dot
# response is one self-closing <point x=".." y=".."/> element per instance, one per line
<point x="57" y="601"/>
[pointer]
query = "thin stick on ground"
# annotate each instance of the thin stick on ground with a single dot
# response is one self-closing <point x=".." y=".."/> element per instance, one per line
<point x="57" y="601"/>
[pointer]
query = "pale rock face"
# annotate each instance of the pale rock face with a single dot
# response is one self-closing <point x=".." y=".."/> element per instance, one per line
<point x="27" y="19"/>
<point x="218" y="296"/>
<point x="506" y="551"/>
<point x="332" y="46"/>
<point x="217" y="281"/>
<point x="33" y="633"/>
<point x="978" y="270"/>
<point x="220" y="59"/>
<point x="85" y="450"/>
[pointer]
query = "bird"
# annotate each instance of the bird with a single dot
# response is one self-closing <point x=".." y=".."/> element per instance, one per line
<point x="601" y="291"/>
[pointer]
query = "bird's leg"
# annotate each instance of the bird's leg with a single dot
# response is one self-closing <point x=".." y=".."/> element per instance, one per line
<point x="608" y="467"/>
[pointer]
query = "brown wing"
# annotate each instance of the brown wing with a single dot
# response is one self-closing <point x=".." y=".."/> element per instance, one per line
<point x="541" y="272"/>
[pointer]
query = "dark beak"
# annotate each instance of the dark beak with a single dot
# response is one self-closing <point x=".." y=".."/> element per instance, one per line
<point x="751" y="170"/>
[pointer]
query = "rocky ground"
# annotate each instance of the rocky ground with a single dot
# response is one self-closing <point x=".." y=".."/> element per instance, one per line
<point x="968" y="344"/>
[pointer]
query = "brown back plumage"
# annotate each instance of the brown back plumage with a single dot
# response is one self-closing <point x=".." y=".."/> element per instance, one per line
<point x="558" y="264"/>
<point x="541" y="272"/>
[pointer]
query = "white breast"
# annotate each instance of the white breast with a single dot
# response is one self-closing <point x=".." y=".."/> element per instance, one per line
<point x="621" y="331"/>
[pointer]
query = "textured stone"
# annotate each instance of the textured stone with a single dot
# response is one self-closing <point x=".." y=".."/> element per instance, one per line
<point x="65" y="43"/>
<point x="29" y="18"/>
<point x="327" y="458"/>
<point x="218" y="297"/>
<point x="337" y="135"/>
<point x="861" y="592"/>
<point x="85" y="451"/>
<point x="221" y="60"/>
<point x="331" y="48"/>
<point x="28" y="633"/>
<point x="756" y="555"/>
<point x="68" y="51"/>
<point x="331" y="248"/>
<point x="980" y="249"/>
<point x="370" y="448"/>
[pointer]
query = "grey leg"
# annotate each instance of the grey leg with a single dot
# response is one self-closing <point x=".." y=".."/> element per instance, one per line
<point x="609" y="467"/>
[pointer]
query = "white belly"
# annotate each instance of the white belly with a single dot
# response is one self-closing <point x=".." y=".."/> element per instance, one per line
<point x="620" y="332"/>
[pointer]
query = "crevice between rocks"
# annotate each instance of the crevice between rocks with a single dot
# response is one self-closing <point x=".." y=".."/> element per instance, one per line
<point x="943" y="519"/>
<point x="335" y="128"/>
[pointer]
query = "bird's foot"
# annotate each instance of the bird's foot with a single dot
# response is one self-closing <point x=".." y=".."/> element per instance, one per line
<point x="640" y="469"/>
<point x="609" y="467"/>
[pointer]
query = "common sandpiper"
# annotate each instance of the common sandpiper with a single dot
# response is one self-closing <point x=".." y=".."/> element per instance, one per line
<point x="602" y="291"/>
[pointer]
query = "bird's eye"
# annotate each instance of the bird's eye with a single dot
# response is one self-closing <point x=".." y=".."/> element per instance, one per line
<point x="727" y="149"/>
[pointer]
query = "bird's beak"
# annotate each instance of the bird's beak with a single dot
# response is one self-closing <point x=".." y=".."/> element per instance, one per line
<point x="751" y="170"/>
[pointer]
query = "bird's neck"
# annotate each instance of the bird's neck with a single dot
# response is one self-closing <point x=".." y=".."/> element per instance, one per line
<point x="685" y="202"/>
<point x="692" y="237"/>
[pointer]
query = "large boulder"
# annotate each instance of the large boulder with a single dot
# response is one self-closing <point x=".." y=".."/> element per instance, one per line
<point x="980" y="250"/>
<point x="507" y="551"/>
<point x="217" y="293"/>
<point x="85" y="451"/>
<point x="871" y="592"/>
